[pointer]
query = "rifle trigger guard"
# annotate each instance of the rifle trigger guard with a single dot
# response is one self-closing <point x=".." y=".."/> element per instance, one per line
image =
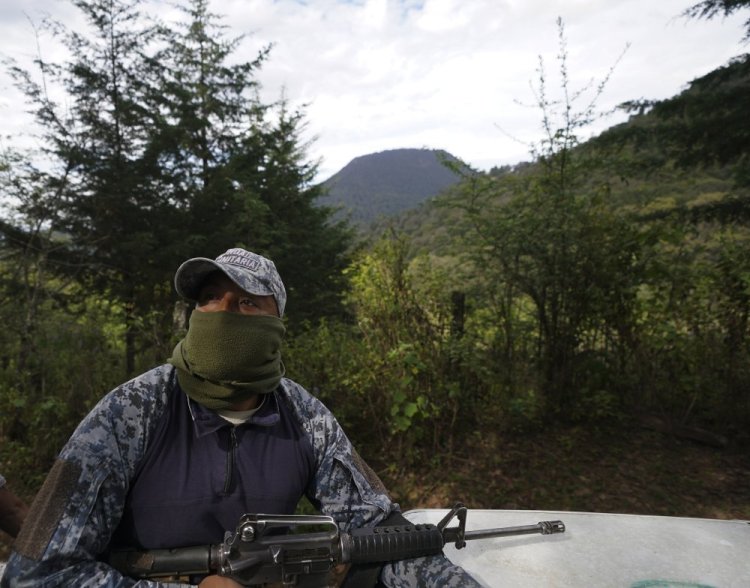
<point x="459" y="512"/>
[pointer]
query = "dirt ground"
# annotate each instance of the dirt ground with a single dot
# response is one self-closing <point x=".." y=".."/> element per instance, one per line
<point x="624" y="469"/>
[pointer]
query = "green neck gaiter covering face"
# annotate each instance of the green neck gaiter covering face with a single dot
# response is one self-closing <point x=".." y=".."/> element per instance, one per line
<point x="227" y="357"/>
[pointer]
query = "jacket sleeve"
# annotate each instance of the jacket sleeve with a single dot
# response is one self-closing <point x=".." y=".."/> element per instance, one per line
<point x="345" y="488"/>
<point x="79" y="506"/>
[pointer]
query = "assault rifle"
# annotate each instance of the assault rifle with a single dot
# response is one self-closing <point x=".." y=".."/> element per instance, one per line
<point x="284" y="549"/>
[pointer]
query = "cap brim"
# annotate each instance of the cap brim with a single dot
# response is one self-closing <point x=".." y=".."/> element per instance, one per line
<point x="191" y="275"/>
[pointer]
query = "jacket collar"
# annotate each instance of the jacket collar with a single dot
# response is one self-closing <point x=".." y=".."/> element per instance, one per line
<point x="206" y="421"/>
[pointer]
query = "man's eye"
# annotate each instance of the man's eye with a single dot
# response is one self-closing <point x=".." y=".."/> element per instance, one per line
<point x="247" y="302"/>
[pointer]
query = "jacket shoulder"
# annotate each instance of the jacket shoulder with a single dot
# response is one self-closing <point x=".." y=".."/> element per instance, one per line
<point x="125" y="417"/>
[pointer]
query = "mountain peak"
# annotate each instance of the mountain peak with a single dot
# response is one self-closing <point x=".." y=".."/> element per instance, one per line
<point x="388" y="183"/>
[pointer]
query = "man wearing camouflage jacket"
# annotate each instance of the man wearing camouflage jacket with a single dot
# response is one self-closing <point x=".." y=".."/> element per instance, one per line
<point x="175" y="456"/>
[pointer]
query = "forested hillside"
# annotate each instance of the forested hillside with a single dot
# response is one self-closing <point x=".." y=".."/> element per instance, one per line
<point x="570" y="333"/>
<point x="684" y="156"/>
<point x="598" y="255"/>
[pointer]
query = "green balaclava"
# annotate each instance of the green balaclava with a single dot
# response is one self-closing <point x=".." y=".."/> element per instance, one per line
<point x="228" y="357"/>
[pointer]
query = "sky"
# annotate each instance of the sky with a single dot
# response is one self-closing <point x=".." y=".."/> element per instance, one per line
<point x="458" y="75"/>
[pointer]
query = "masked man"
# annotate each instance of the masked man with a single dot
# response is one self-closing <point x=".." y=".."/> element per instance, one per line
<point x="174" y="457"/>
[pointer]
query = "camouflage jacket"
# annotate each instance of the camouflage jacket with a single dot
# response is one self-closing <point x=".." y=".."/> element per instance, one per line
<point x="81" y="502"/>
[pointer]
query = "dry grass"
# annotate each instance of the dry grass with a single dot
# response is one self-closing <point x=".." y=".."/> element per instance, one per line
<point x="622" y="470"/>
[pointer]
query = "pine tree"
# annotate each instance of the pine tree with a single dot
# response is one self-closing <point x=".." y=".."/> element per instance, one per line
<point x="97" y="157"/>
<point x="165" y="151"/>
<point x="240" y="170"/>
<point x="712" y="8"/>
<point x="310" y="250"/>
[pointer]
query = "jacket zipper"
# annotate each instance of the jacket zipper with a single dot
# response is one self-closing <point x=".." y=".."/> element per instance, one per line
<point x="229" y="473"/>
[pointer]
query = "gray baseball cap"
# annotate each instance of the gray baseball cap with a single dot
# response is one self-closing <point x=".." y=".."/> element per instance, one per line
<point x="251" y="272"/>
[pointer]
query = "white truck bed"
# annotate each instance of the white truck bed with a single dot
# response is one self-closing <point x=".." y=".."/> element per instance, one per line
<point x="603" y="550"/>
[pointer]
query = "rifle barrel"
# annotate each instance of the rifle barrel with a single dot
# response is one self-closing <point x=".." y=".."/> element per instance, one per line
<point x="542" y="527"/>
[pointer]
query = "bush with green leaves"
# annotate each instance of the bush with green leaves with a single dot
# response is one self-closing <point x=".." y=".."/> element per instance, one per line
<point x="396" y="376"/>
<point x="70" y="361"/>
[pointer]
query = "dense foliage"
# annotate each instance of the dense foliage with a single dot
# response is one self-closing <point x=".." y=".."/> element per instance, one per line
<point x="606" y="281"/>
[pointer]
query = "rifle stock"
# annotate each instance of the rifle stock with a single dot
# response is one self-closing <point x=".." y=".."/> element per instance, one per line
<point x="157" y="563"/>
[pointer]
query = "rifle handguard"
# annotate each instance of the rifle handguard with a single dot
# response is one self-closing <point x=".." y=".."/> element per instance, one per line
<point x="392" y="543"/>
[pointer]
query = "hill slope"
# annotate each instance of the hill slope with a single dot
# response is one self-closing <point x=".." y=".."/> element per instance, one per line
<point x="685" y="155"/>
<point x="388" y="183"/>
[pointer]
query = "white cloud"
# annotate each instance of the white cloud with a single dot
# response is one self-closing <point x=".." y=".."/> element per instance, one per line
<point x="384" y="74"/>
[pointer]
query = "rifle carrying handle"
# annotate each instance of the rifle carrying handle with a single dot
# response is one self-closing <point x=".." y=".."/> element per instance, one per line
<point x="391" y="543"/>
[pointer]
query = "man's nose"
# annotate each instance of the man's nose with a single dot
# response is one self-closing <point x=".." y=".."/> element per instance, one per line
<point x="228" y="302"/>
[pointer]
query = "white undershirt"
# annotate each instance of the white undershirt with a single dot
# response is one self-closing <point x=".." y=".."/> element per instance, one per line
<point x="237" y="417"/>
